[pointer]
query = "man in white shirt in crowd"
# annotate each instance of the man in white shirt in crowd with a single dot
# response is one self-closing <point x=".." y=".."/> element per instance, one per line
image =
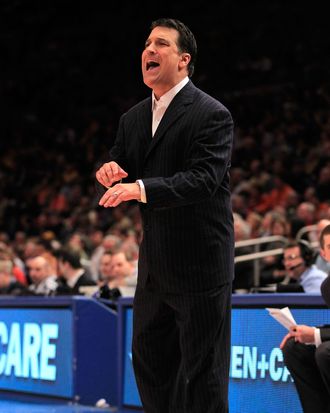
<point x="43" y="281"/>
<point x="298" y="259"/>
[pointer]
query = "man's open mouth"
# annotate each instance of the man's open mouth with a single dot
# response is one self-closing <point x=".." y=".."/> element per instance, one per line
<point x="151" y="65"/>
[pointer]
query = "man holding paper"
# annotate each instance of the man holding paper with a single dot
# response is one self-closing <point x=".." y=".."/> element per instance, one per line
<point x="306" y="352"/>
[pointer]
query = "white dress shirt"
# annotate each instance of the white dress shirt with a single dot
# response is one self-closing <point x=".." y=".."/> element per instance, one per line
<point x="158" y="109"/>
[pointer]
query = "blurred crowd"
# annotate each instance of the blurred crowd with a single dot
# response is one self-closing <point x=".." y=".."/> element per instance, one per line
<point x="60" y="115"/>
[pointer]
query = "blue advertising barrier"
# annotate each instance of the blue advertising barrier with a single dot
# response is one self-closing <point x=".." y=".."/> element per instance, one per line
<point x="259" y="380"/>
<point x="79" y="349"/>
<point x="62" y="347"/>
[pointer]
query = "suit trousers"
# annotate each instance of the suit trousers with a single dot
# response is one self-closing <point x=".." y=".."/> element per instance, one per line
<point x="181" y="350"/>
<point x="310" y="369"/>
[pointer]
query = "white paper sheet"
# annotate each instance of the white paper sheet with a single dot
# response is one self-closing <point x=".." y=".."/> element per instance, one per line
<point x="283" y="316"/>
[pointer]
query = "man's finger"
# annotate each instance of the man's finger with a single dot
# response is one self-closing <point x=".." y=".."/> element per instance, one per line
<point x="285" y="339"/>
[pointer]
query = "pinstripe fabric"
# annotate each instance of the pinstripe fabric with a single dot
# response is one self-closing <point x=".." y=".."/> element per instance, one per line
<point x="181" y="350"/>
<point x="188" y="242"/>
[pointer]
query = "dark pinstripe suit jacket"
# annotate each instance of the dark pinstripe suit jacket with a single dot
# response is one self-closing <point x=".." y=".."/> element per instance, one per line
<point x="188" y="242"/>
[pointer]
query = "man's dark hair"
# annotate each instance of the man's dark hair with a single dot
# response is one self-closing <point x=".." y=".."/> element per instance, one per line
<point x="306" y="251"/>
<point x="325" y="231"/>
<point x="186" y="39"/>
<point x="70" y="256"/>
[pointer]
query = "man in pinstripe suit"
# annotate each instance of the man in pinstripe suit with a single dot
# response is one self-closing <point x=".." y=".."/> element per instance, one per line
<point x="173" y="153"/>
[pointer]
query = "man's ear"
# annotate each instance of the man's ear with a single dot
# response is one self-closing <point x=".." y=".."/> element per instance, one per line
<point x="322" y="253"/>
<point x="185" y="59"/>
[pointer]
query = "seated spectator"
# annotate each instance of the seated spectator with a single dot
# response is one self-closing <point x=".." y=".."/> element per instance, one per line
<point x="255" y="221"/>
<point x="306" y="211"/>
<point x="243" y="279"/>
<point x="119" y="275"/>
<point x="72" y="275"/>
<point x="105" y="276"/>
<point x="109" y="243"/>
<point x="43" y="280"/>
<point x="277" y="196"/>
<point x="302" y="275"/>
<point x="8" y="283"/>
<point x="7" y="253"/>
<point x="272" y="270"/>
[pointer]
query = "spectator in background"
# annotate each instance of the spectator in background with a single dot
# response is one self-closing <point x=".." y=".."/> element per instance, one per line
<point x="78" y="242"/>
<point x="124" y="275"/>
<point x="255" y="222"/>
<point x="243" y="280"/>
<point x="306" y="211"/>
<point x="109" y="243"/>
<point x="302" y="274"/>
<point x="106" y="277"/>
<point x="43" y="280"/>
<point x="96" y="239"/>
<point x="323" y="183"/>
<point x="271" y="267"/>
<point x="7" y="253"/>
<point x="118" y="275"/>
<point x="72" y="275"/>
<point x="8" y="283"/>
<point x="306" y="352"/>
<point x="278" y="196"/>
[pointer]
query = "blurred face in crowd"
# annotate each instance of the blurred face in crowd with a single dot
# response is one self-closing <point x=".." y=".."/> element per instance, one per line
<point x="120" y="266"/>
<point x="105" y="267"/>
<point x="325" y="250"/>
<point x="38" y="269"/>
<point x="5" y="273"/>
<point x="294" y="262"/>
<point x="163" y="65"/>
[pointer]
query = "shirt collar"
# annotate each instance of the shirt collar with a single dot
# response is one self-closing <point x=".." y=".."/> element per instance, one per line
<point x="167" y="98"/>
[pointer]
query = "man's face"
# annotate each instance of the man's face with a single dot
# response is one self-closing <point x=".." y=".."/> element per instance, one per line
<point x="163" y="65"/>
<point x="38" y="269"/>
<point x="120" y="267"/>
<point x="105" y="267"/>
<point x="325" y="251"/>
<point x="293" y="262"/>
<point x="4" y="279"/>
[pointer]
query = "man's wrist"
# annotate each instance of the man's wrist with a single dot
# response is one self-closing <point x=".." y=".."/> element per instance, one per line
<point x="143" y="196"/>
<point x="139" y="190"/>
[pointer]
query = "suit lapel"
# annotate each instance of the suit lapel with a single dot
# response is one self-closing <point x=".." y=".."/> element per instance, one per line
<point x="144" y="123"/>
<point x="176" y="109"/>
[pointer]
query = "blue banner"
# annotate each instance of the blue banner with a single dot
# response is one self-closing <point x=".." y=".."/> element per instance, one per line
<point x="259" y="380"/>
<point x="36" y="351"/>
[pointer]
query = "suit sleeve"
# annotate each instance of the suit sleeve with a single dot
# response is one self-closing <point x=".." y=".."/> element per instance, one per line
<point x="325" y="333"/>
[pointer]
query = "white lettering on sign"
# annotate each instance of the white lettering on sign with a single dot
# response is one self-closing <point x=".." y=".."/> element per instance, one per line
<point x="26" y="350"/>
<point x="248" y="363"/>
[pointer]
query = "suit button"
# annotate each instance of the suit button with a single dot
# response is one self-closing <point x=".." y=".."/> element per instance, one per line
<point x="146" y="227"/>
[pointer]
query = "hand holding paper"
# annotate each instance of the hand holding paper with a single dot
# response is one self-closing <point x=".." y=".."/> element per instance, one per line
<point x="283" y="316"/>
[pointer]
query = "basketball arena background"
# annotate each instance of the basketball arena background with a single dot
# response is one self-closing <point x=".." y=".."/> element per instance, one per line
<point x="68" y="70"/>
